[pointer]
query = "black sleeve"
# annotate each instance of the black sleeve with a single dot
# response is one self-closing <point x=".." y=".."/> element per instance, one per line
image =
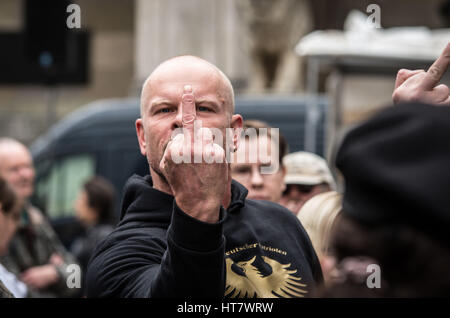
<point x="186" y="262"/>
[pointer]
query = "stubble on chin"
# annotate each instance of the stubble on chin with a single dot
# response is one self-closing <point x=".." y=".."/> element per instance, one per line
<point x="159" y="173"/>
<point x="154" y="165"/>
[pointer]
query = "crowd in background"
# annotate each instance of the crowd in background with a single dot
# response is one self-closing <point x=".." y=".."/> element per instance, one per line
<point x="33" y="260"/>
<point x="394" y="211"/>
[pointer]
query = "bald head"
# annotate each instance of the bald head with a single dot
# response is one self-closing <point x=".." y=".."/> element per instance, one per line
<point x="16" y="167"/>
<point x="163" y="109"/>
<point x="186" y="68"/>
<point x="8" y="145"/>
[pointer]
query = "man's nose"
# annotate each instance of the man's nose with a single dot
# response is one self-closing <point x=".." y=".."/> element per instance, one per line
<point x="26" y="172"/>
<point x="256" y="179"/>
<point x="294" y="193"/>
<point x="178" y="120"/>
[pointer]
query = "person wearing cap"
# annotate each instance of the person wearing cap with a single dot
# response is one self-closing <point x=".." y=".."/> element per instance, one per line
<point x="396" y="205"/>
<point x="307" y="175"/>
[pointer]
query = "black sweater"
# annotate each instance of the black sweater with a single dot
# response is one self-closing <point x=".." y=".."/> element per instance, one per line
<point x="257" y="249"/>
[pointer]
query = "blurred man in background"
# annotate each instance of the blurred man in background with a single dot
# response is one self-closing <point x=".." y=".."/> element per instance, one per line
<point x="10" y="286"/>
<point x="396" y="205"/>
<point x="307" y="174"/>
<point x="260" y="186"/>
<point x="36" y="254"/>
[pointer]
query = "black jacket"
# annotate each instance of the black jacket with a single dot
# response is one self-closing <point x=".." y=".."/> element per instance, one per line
<point x="257" y="249"/>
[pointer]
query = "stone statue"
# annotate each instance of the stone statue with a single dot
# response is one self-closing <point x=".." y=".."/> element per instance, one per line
<point x="273" y="28"/>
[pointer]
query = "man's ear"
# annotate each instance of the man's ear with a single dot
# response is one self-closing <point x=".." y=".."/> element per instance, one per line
<point x="236" y="124"/>
<point x="140" y="131"/>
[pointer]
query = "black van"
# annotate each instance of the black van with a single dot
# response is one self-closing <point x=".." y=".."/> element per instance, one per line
<point x="100" y="139"/>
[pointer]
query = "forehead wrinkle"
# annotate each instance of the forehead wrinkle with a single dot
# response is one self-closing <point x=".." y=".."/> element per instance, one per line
<point x="205" y="100"/>
<point x="159" y="101"/>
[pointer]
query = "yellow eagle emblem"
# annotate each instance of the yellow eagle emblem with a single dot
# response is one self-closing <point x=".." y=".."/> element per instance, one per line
<point x="250" y="282"/>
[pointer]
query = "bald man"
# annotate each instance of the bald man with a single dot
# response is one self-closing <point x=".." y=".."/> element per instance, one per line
<point x="187" y="230"/>
<point x="35" y="255"/>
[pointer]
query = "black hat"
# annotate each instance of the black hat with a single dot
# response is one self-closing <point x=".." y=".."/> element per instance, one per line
<point x="397" y="169"/>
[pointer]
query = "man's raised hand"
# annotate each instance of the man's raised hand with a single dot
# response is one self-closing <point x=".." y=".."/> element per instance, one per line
<point x="424" y="86"/>
<point x="198" y="188"/>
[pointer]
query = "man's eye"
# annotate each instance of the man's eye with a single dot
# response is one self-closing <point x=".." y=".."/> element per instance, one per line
<point x="14" y="169"/>
<point x="164" y="110"/>
<point x="204" y="109"/>
<point x="242" y="170"/>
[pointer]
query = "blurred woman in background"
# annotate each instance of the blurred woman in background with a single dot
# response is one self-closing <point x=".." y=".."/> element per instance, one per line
<point x="318" y="216"/>
<point x="94" y="209"/>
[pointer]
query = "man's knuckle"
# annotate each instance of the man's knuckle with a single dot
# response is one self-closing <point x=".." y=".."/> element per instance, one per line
<point x="434" y="72"/>
<point x="395" y="96"/>
<point x="416" y="95"/>
<point x="402" y="72"/>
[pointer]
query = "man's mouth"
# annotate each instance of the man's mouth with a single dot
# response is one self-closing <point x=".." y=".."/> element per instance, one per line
<point x="24" y="184"/>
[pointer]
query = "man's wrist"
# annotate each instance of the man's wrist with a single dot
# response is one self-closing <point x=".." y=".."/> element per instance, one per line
<point x="194" y="234"/>
<point x="205" y="211"/>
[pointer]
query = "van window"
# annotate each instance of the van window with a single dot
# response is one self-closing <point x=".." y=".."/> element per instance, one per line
<point x="58" y="189"/>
